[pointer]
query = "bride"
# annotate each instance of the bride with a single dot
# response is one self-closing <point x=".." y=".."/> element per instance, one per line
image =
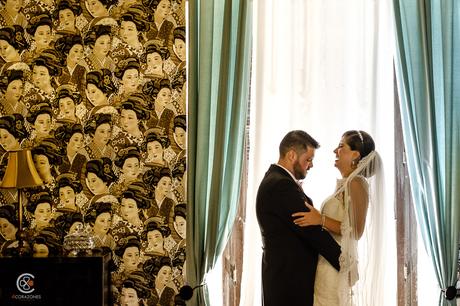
<point x="351" y="214"/>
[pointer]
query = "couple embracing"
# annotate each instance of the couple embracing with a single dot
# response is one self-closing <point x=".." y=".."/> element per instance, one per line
<point x="310" y="255"/>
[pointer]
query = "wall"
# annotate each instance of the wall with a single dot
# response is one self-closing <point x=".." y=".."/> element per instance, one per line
<point x="96" y="90"/>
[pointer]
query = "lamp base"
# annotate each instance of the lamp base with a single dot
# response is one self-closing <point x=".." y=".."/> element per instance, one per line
<point x="23" y="246"/>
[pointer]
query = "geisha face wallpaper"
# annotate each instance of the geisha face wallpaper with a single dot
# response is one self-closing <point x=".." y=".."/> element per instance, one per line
<point x="96" y="90"/>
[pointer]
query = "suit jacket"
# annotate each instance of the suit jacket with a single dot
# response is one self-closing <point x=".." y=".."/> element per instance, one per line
<point x="290" y="252"/>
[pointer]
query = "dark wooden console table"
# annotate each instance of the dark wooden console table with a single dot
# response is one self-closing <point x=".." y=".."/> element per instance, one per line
<point x="55" y="281"/>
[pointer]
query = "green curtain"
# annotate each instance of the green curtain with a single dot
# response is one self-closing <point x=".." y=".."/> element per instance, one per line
<point x="219" y="73"/>
<point x="428" y="70"/>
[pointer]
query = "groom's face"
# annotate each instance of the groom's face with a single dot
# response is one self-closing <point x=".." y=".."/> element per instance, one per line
<point x="303" y="163"/>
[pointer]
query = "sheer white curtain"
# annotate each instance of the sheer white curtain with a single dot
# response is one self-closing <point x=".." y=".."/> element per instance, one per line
<point x="324" y="66"/>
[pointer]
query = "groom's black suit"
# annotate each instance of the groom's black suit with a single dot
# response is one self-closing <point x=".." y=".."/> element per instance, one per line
<point x="290" y="252"/>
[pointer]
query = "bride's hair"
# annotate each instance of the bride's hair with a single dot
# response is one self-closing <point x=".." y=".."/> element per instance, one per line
<point x="362" y="142"/>
<point x="359" y="141"/>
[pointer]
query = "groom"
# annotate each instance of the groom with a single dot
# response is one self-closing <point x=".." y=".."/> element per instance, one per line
<point x="290" y="252"/>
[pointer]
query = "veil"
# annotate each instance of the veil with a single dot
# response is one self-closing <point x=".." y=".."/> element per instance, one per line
<point x="361" y="276"/>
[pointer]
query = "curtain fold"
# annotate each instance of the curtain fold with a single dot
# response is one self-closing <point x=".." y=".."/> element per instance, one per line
<point x="219" y="62"/>
<point x="428" y="67"/>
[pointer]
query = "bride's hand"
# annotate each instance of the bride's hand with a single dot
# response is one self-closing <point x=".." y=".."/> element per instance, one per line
<point x="313" y="217"/>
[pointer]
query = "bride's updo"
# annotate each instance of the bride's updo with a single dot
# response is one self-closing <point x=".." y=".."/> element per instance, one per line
<point x="359" y="141"/>
<point x="363" y="143"/>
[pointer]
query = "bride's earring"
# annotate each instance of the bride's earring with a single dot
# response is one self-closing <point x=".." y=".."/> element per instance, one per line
<point x="354" y="163"/>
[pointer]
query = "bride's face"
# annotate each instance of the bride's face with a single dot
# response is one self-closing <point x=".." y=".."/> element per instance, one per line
<point x="344" y="157"/>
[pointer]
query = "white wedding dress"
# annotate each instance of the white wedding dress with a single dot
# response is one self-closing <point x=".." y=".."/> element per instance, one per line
<point x="359" y="282"/>
<point x="327" y="277"/>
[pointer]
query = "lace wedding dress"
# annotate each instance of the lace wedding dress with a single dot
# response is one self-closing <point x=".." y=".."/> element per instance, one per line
<point x="327" y="277"/>
<point x="357" y="284"/>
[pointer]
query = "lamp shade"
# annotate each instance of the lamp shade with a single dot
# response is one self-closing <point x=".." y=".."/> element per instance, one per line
<point x="20" y="171"/>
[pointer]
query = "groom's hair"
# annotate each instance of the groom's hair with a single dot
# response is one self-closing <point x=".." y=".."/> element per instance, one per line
<point x="298" y="140"/>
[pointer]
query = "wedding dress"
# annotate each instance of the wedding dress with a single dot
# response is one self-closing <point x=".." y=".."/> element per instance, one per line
<point x="326" y="281"/>
<point x="356" y="284"/>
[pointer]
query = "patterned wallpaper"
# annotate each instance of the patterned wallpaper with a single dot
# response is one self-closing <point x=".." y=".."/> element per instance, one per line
<point x="96" y="89"/>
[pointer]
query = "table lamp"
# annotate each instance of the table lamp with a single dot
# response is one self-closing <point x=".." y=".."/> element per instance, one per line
<point x="20" y="173"/>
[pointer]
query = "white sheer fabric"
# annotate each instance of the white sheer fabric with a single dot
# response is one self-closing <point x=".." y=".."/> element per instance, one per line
<point x="324" y="66"/>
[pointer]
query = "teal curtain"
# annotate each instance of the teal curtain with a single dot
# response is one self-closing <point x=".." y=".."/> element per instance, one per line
<point x="219" y="73"/>
<point x="428" y="70"/>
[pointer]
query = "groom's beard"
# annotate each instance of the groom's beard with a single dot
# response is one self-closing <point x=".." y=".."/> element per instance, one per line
<point x="299" y="173"/>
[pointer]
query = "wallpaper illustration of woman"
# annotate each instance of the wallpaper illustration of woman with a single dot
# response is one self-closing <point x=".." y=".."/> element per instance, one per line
<point x="133" y="114"/>
<point x="161" y="270"/>
<point x="47" y="243"/>
<point x="99" y="129"/>
<point x="13" y="45"/>
<point x="99" y="41"/>
<point x="154" y="59"/>
<point x="72" y="140"/>
<point x="161" y="26"/>
<point x="127" y="72"/>
<point x="99" y="218"/>
<point x="41" y="121"/>
<point x="67" y="190"/>
<point x="46" y="68"/>
<point x="68" y="104"/>
<point x="134" y="202"/>
<point x="132" y="26"/>
<point x="154" y="235"/>
<point x="12" y="132"/>
<point x="11" y="93"/>
<point x="99" y="90"/>
<point x="40" y="29"/>
<point x="73" y="73"/>
<point x="160" y="98"/>
<point x="130" y="169"/>
<point x="155" y="143"/>
<point x="135" y="290"/>
<point x="99" y="176"/>
<point x="47" y="157"/>
<point x="162" y="204"/>
<point x="66" y="14"/>
<point x="11" y="13"/>
<point x="78" y="72"/>
<point x="40" y="207"/>
<point x="128" y="258"/>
